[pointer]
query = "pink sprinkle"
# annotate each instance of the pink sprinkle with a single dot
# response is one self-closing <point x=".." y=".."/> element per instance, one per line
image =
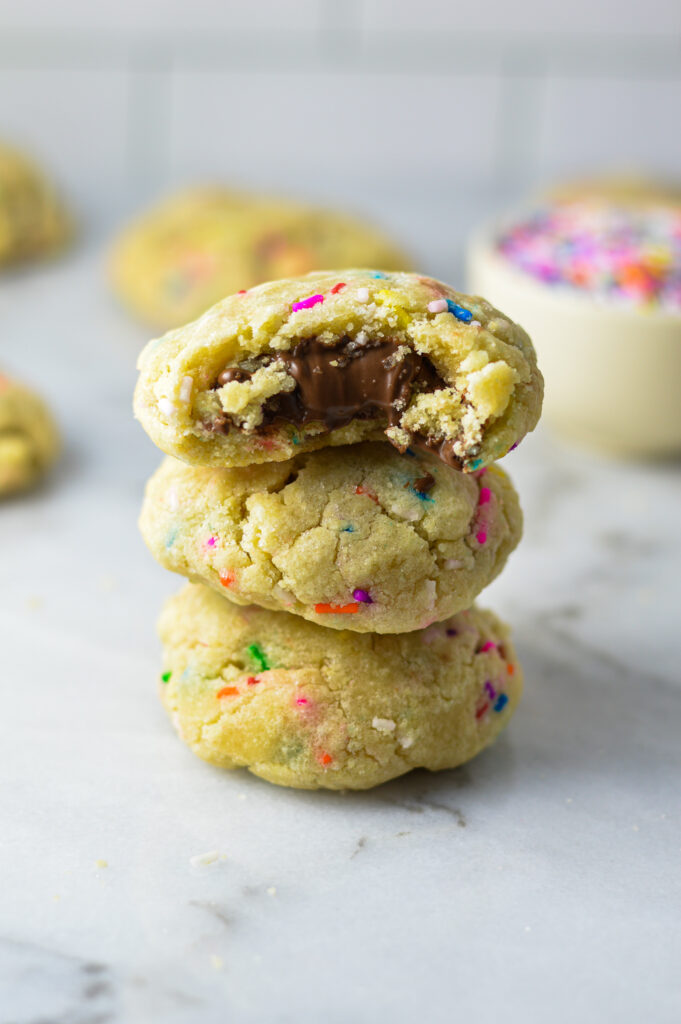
<point x="485" y="495"/>
<point x="308" y="303"/>
<point x="302" y="700"/>
<point x="363" y="596"/>
<point x="480" y="472"/>
<point x="437" y="306"/>
<point x="489" y="646"/>
<point x="481" y="536"/>
<point x="210" y="543"/>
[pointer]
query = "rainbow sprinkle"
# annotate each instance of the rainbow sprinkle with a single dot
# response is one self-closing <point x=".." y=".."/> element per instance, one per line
<point x="165" y="677"/>
<point x="257" y="653"/>
<point x="362" y="596"/>
<point x="464" y="315"/>
<point x="308" y="303"/>
<point x="627" y="254"/>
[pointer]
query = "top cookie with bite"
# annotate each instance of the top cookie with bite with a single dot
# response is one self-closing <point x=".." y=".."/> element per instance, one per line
<point x="336" y="358"/>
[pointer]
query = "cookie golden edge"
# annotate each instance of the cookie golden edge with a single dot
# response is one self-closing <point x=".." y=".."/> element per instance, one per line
<point x="303" y="707"/>
<point x="491" y="399"/>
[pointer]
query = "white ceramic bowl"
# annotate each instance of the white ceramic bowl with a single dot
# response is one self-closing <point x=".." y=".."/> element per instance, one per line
<point x="612" y="374"/>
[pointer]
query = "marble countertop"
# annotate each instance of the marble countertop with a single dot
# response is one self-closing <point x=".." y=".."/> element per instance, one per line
<point x="539" y="883"/>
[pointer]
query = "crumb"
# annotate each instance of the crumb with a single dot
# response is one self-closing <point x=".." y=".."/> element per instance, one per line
<point x="101" y="863"/>
<point x="201" y="859"/>
<point x="217" y="962"/>
<point x="272" y="891"/>
<point x="34" y="603"/>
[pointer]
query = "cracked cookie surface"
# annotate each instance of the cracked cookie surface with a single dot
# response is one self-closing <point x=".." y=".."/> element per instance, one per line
<point x="302" y="706"/>
<point x="358" y="538"/>
<point x="29" y="440"/>
<point x="337" y="358"/>
<point x="33" y="221"/>
<point x="196" y="247"/>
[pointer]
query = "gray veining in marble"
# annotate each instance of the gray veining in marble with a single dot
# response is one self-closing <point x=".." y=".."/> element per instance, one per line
<point x="539" y="883"/>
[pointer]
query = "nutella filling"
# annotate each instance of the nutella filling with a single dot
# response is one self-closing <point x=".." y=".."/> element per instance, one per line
<point x="336" y="384"/>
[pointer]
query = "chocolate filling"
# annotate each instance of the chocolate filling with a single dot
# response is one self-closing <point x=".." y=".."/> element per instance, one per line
<point x="336" y="384"/>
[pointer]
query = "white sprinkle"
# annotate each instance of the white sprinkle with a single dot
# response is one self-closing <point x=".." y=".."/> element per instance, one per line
<point x="173" y="500"/>
<point x="431" y="590"/>
<point x="406" y="741"/>
<point x="362" y="294"/>
<point x="453" y="563"/>
<point x="272" y="891"/>
<point x="202" y="859"/>
<point x="475" y="323"/>
<point x="186" y="388"/>
<point x="437" y="306"/>
<point x="383" y="724"/>
<point x="166" y="406"/>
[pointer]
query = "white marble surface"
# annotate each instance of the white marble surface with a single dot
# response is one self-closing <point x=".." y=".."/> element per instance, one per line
<point x="540" y="883"/>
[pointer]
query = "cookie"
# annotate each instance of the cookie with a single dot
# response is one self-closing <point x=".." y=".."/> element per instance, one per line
<point x="303" y="706"/>
<point x="33" y="221"/>
<point x="358" y="538"/>
<point x="29" y="440"/>
<point x="205" y="243"/>
<point x="336" y="358"/>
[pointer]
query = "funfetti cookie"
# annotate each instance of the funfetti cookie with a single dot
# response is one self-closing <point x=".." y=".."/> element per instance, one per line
<point x="29" y="439"/>
<point x="196" y="247"/>
<point x="312" y="708"/>
<point x="33" y="221"/>
<point x="336" y="358"/>
<point x="359" y="538"/>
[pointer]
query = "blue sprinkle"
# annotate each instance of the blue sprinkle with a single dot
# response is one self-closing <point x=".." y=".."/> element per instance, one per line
<point x="347" y="529"/>
<point x="459" y="312"/>
<point x="186" y="674"/>
<point x="421" y="494"/>
<point x="379" y="276"/>
<point x="410" y="452"/>
<point x="475" y="463"/>
<point x="170" y="539"/>
<point x="502" y="701"/>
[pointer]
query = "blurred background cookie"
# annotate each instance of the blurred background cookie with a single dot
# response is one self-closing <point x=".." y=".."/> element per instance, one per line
<point x="196" y="247"/>
<point x="33" y="220"/>
<point x="29" y="439"/>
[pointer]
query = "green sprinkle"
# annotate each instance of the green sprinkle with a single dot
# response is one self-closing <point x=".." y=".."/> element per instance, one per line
<point x="257" y="653"/>
<point x="165" y="676"/>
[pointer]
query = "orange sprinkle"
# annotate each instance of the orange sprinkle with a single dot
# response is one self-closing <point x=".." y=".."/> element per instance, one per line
<point x="337" y="287"/>
<point x="325" y="759"/>
<point x="365" y="490"/>
<point x="510" y="668"/>
<point x="337" y="609"/>
<point x="227" y="577"/>
<point x="228" y="691"/>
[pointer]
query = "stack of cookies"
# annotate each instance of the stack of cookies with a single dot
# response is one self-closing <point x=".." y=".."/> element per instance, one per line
<point x="330" y="490"/>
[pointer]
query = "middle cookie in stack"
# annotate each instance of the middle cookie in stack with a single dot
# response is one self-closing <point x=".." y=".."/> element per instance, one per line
<point x="281" y="401"/>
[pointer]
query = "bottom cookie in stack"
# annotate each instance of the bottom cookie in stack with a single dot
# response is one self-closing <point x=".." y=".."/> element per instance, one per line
<point x="309" y="707"/>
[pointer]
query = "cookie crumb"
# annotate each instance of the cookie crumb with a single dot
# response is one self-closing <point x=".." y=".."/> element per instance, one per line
<point x="272" y="891"/>
<point x="101" y="863"/>
<point x="216" y="962"/>
<point x="383" y="724"/>
<point x="202" y="859"/>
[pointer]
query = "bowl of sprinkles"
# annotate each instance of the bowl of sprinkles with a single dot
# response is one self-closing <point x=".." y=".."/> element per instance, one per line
<point x="594" y="274"/>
